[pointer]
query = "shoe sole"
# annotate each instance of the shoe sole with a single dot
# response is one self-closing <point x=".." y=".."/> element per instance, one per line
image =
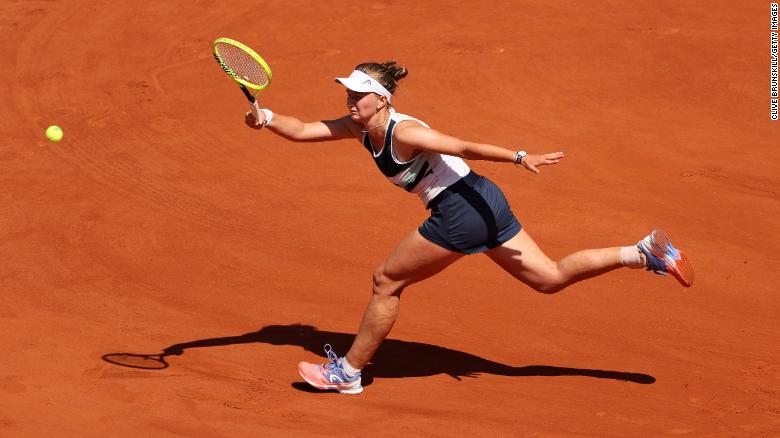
<point x="677" y="262"/>
<point x="321" y="387"/>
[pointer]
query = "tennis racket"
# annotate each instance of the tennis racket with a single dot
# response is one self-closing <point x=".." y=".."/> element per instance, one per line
<point x="246" y="67"/>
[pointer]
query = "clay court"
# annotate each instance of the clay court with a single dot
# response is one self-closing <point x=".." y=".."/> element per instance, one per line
<point x="162" y="225"/>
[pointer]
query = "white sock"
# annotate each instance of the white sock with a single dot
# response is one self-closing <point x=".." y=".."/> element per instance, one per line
<point x="632" y="257"/>
<point x="349" y="369"/>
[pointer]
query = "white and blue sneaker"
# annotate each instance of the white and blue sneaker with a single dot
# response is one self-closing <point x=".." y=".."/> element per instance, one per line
<point x="663" y="258"/>
<point x="330" y="375"/>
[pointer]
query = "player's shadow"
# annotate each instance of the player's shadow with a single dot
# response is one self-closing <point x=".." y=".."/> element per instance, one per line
<point x="396" y="358"/>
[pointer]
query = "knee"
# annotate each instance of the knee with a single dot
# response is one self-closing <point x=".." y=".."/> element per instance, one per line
<point x="384" y="285"/>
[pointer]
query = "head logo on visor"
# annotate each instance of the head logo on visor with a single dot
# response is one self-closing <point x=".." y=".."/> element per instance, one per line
<point x="363" y="83"/>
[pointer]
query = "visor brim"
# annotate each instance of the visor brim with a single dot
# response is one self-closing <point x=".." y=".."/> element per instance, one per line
<point x="354" y="85"/>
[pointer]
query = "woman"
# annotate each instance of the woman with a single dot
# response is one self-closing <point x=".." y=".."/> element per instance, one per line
<point x="469" y="214"/>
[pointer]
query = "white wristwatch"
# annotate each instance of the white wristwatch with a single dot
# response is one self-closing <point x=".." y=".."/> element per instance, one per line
<point x="519" y="155"/>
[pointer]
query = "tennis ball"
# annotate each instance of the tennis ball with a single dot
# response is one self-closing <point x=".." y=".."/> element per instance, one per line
<point x="54" y="133"/>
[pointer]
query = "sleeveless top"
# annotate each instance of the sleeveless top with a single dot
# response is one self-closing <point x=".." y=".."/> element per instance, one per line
<point x="426" y="175"/>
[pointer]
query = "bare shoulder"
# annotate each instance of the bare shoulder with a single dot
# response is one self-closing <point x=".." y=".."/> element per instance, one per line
<point x="412" y="133"/>
<point x="415" y="137"/>
<point x="354" y="127"/>
<point x="409" y="130"/>
<point x="344" y="127"/>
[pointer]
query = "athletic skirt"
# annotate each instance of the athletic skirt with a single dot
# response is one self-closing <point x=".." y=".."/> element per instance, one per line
<point x="470" y="216"/>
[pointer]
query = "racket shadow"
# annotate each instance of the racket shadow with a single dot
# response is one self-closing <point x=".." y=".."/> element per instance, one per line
<point x="396" y="358"/>
<point x="139" y="361"/>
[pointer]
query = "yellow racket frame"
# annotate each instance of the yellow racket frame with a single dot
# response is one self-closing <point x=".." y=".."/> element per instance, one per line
<point x="251" y="53"/>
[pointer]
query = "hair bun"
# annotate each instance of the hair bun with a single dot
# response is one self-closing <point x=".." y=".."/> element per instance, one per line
<point x="400" y="73"/>
<point x="396" y="71"/>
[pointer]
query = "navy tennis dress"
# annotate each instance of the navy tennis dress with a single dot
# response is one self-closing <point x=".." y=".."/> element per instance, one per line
<point x="469" y="213"/>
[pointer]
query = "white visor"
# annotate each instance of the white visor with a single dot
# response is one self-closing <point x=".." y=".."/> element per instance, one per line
<point x="363" y="83"/>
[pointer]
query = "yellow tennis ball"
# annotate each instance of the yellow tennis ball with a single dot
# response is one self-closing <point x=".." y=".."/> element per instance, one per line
<point x="54" y="133"/>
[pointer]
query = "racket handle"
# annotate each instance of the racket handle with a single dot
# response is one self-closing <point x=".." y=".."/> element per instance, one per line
<point x="252" y="103"/>
<point x="255" y="110"/>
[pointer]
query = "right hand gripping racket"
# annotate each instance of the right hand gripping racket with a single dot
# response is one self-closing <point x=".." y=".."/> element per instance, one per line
<point x="246" y="67"/>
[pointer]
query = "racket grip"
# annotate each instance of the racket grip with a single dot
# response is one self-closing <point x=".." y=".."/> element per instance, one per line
<point x="255" y="110"/>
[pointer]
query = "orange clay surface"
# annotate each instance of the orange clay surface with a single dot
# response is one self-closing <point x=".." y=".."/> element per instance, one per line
<point x="161" y="223"/>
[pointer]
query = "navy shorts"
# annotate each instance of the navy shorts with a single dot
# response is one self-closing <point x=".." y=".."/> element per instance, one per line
<point x="470" y="217"/>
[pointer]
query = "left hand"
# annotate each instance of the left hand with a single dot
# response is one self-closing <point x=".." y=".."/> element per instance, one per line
<point x="531" y="162"/>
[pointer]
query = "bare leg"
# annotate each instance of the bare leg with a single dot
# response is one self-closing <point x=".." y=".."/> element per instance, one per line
<point x="521" y="257"/>
<point x="413" y="260"/>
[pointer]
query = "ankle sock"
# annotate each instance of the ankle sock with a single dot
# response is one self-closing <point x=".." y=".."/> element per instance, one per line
<point x="349" y="369"/>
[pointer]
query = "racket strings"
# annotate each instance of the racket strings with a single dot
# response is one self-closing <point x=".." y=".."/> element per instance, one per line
<point x="242" y="64"/>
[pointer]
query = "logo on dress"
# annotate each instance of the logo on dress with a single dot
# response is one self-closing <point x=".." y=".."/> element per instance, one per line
<point x="412" y="175"/>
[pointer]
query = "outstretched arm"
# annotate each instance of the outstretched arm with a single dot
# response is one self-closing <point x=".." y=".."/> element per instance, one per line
<point x="294" y="129"/>
<point x="420" y="138"/>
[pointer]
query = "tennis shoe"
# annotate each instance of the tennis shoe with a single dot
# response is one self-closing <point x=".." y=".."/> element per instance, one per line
<point x="330" y="375"/>
<point x="663" y="258"/>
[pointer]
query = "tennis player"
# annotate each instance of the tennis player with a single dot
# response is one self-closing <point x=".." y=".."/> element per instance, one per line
<point x="468" y="214"/>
